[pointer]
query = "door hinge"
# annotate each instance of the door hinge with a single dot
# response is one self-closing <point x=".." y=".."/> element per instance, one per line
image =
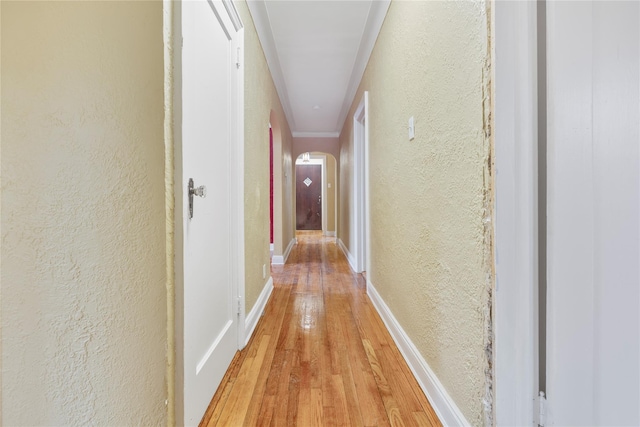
<point x="239" y="306"/>
<point x="540" y="409"/>
<point x="238" y="59"/>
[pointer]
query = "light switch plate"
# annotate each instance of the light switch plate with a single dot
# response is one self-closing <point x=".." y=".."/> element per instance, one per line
<point x="412" y="129"/>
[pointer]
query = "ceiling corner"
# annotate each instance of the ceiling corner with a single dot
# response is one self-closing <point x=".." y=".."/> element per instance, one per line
<point x="375" y="19"/>
<point x="262" y="24"/>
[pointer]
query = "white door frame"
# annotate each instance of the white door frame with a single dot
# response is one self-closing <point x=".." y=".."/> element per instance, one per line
<point x="323" y="159"/>
<point x="360" y="223"/>
<point x="225" y="11"/>
<point x="516" y="212"/>
<point x="237" y="182"/>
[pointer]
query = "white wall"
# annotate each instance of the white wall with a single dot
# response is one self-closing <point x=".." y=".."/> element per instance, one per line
<point x="84" y="329"/>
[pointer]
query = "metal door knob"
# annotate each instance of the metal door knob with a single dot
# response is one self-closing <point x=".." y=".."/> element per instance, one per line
<point x="200" y="191"/>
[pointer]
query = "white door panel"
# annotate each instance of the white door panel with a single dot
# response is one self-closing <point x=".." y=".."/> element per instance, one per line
<point x="210" y="318"/>
<point x="593" y="332"/>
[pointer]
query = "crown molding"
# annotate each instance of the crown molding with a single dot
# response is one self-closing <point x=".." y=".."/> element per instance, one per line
<point x="261" y="21"/>
<point x="315" y="134"/>
<point x="233" y="14"/>
<point x="375" y="19"/>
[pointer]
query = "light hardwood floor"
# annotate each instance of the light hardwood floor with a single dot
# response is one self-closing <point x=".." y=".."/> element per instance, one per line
<point x="320" y="355"/>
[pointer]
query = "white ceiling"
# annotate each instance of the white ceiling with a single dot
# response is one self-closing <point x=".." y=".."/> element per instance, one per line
<point x="317" y="51"/>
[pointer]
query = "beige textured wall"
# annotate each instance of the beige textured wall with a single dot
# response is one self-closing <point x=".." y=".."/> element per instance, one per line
<point x="83" y="221"/>
<point x="1" y="216"/>
<point x="261" y="99"/>
<point x="429" y="250"/>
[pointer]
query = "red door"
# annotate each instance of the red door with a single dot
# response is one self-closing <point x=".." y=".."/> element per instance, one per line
<point x="308" y="197"/>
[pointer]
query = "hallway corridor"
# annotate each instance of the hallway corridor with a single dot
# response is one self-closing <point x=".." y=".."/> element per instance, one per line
<point x="320" y="355"/>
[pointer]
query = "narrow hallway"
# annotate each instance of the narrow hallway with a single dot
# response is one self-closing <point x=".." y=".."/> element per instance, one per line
<point x="320" y="355"/>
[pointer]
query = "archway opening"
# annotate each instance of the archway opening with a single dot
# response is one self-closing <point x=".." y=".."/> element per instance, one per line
<point x="315" y="190"/>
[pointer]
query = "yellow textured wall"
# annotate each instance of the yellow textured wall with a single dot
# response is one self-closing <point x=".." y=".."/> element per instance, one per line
<point x="429" y="250"/>
<point x="261" y="99"/>
<point x="83" y="222"/>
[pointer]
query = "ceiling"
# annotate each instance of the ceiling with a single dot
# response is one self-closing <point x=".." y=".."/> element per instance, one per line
<point x="317" y="51"/>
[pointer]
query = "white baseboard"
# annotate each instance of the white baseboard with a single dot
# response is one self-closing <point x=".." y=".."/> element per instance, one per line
<point x="350" y="258"/>
<point x="330" y="233"/>
<point x="282" y="259"/>
<point x="446" y="409"/>
<point x="251" y="320"/>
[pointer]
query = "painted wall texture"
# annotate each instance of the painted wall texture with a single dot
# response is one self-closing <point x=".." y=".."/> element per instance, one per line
<point x="261" y="100"/>
<point x="83" y="220"/>
<point x="430" y="250"/>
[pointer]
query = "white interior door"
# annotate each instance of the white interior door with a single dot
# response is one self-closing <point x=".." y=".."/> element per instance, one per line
<point x="593" y="323"/>
<point x="210" y="312"/>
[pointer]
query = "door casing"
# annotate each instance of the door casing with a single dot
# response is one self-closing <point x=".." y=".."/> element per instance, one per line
<point x="360" y="201"/>
<point x="515" y="212"/>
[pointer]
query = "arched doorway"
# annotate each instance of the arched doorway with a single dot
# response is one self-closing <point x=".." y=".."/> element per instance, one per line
<point x="315" y="183"/>
<point x="281" y="196"/>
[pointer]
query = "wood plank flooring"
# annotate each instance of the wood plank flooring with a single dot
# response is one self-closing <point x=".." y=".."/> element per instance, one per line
<point x="320" y="355"/>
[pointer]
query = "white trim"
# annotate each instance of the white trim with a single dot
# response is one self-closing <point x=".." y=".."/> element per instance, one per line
<point x="336" y="188"/>
<point x="359" y="220"/>
<point x="282" y="259"/>
<point x="257" y="311"/>
<point x="330" y="233"/>
<point x="315" y="134"/>
<point x="233" y="14"/>
<point x="350" y="258"/>
<point x="237" y="199"/>
<point x="324" y="192"/>
<point x="516" y="260"/>
<point x="444" y="406"/>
